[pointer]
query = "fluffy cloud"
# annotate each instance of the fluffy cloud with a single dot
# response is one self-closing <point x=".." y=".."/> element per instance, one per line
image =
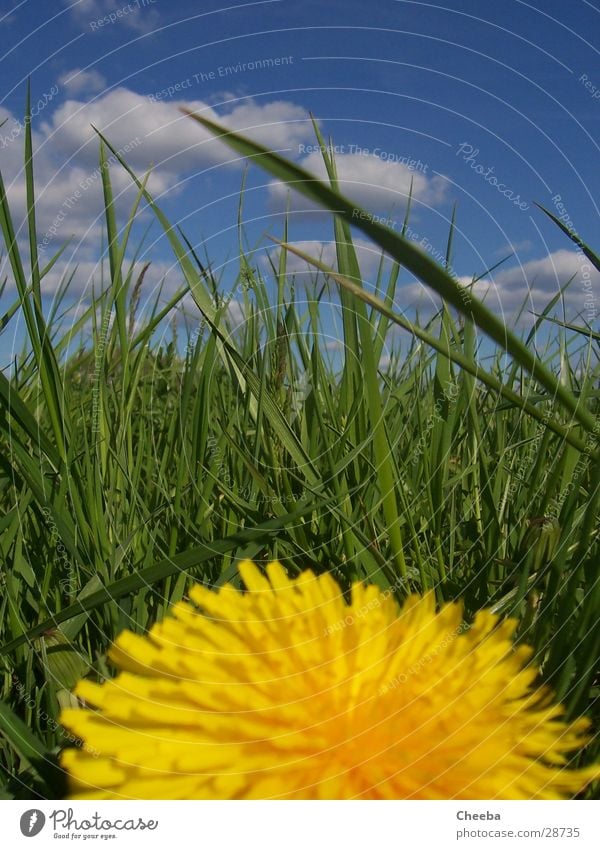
<point x="544" y="275"/>
<point x="167" y="139"/>
<point x="514" y="248"/>
<point x="148" y="134"/>
<point x="534" y="283"/>
<point x="76" y="81"/>
<point x="161" y="280"/>
<point x="370" y="181"/>
<point x="538" y="280"/>
<point x="136" y="15"/>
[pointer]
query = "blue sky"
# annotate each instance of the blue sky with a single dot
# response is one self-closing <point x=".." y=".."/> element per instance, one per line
<point x="487" y="106"/>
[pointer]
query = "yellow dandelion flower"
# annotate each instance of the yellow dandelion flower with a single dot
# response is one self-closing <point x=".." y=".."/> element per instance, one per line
<point x="287" y="691"/>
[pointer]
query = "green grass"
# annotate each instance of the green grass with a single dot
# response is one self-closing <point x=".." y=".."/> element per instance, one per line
<point x="128" y="470"/>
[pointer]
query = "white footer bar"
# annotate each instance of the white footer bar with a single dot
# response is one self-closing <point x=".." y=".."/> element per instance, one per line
<point x="301" y="825"/>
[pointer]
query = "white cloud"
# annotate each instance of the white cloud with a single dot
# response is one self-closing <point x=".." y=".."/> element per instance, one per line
<point x="279" y="124"/>
<point x="76" y="81"/>
<point x="79" y="295"/>
<point x="543" y="275"/>
<point x="514" y="248"/>
<point x="370" y="181"/>
<point x="538" y="280"/>
<point x="161" y="278"/>
<point x="68" y="179"/>
<point x="135" y="15"/>
<point x="169" y="139"/>
<point x="84" y="8"/>
<point x="534" y="283"/>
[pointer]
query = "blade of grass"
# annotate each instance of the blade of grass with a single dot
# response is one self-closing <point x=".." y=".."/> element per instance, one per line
<point x="457" y="357"/>
<point x="405" y="253"/>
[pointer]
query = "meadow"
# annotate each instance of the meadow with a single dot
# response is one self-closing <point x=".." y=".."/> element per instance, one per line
<point x="468" y="463"/>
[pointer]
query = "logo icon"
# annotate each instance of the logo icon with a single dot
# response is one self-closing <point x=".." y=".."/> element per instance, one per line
<point x="32" y="822"/>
